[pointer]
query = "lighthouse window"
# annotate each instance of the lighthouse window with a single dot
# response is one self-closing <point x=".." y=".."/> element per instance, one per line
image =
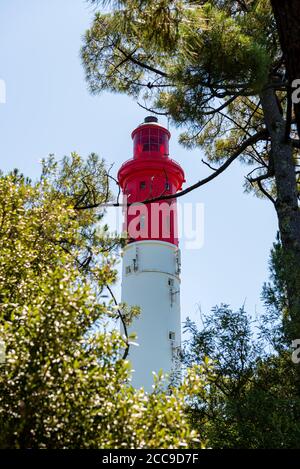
<point x="142" y="185"/>
<point x="172" y="335"/>
<point x="151" y="140"/>
<point x="167" y="186"/>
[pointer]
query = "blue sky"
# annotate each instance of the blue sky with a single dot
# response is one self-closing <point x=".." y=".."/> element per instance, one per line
<point x="49" y="110"/>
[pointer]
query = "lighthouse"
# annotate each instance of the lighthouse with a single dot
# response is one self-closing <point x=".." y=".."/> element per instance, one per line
<point x="151" y="257"/>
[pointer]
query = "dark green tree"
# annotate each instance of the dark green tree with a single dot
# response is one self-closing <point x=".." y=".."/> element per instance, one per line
<point x="252" y="399"/>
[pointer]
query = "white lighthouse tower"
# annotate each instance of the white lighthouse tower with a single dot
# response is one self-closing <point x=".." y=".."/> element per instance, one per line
<point x="151" y="261"/>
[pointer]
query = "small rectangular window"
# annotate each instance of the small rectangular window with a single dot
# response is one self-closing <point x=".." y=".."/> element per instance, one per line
<point x="142" y="185"/>
<point x="167" y="186"/>
<point x="172" y="335"/>
<point x="128" y="269"/>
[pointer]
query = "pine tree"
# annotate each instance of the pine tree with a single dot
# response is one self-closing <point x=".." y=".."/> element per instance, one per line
<point x="215" y="68"/>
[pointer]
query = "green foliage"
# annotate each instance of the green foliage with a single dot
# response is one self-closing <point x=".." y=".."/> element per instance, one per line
<point x="225" y="339"/>
<point x="252" y="400"/>
<point x="63" y="383"/>
<point x="276" y="321"/>
<point x="202" y="63"/>
<point x="189" y="40"/>
<point x="186" y="47"/>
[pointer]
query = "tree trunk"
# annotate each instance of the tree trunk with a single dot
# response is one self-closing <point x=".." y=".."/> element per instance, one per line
<point x="286" y="206"/>
<point x="287" y="15"/>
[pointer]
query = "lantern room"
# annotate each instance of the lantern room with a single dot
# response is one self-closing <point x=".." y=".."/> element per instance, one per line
<point x="150" y="139"/>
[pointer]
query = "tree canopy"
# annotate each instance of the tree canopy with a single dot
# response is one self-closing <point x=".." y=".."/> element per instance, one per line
<point x="252" y="401"/>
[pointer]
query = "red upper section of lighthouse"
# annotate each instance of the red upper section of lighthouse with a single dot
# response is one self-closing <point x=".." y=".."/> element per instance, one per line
<point x="149" y="174"/>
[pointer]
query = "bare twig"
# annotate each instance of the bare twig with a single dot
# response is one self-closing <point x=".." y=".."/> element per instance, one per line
<point x="126" y="351"/>
<point x="207" y="164"/>
<point x="152" y="110"/>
